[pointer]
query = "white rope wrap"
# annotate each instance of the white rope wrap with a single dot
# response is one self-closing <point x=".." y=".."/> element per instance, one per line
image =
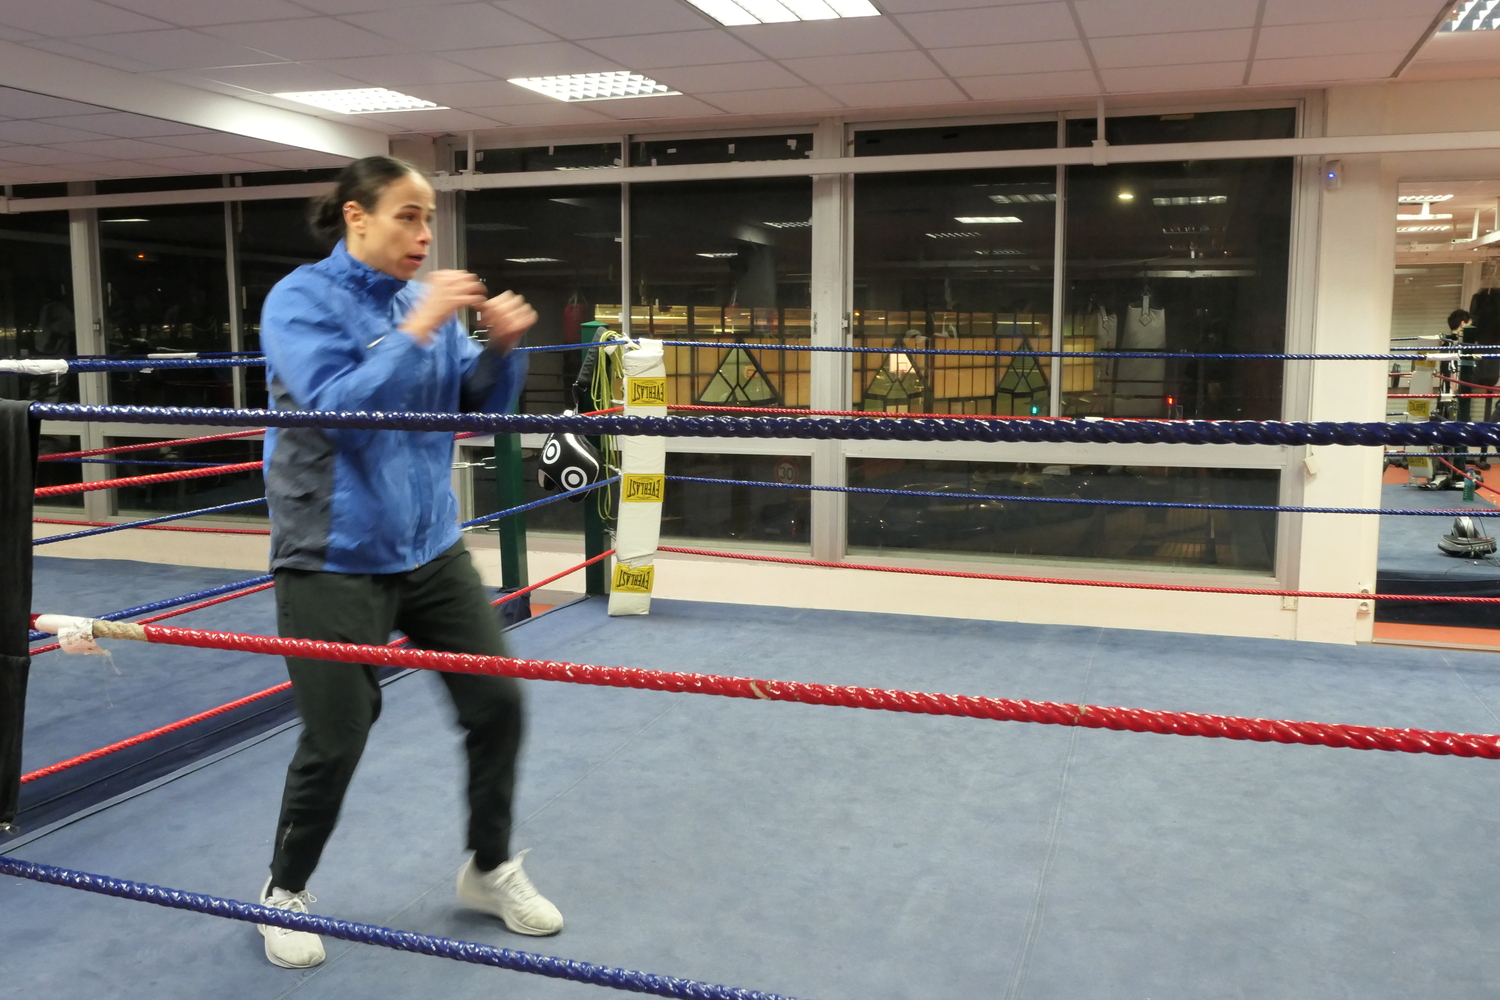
<point x="76" y="635"/>
<point x="33" y="366"/>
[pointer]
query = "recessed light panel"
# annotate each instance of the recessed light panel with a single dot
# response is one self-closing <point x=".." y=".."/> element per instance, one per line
<point x="1423" y="199"/>
<point x="952" y="236"/>
<point x="1022" y="199"/>
<point x="1422" y="229"/>
<point x="1473" y="15"/>
<point x="595" y="86"/>
<point x="985" y="220"/>
<point x="735" y="12"/>
<point x="534" y="260"/>
<point x="719" y="256"/>
<point x="1196" y="199"/>
<point x="807" y="224"/>
<point x="368" y="101"/>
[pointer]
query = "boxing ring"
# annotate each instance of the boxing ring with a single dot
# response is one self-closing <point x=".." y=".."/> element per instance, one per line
<point x="920" y="847"/>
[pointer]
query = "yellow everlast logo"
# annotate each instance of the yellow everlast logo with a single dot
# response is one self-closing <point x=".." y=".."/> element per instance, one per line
<point x="646" y="391"/>
<point x="633" y="580"/>
<point x="638" y="487"/>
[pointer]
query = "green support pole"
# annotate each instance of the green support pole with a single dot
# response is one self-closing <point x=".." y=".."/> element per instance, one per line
<point x="595" y="537"/>
<point x="511" y="492"/>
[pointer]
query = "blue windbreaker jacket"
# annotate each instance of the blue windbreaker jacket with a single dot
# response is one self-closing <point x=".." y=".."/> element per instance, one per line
<point x="359" y="501"/>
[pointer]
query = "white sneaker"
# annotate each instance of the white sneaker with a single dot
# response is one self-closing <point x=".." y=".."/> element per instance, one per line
<point x="286" y="948"/>
<point x="508" y="894"/>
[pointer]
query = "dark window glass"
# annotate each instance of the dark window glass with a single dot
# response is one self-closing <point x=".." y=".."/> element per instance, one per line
<point x="165" y="289"/>
<point x="738" y="513"/>
<point x="1198" y="540"/>
<point x="36" y="303"/>
<point x="726" y="261"/>
<point x="190" y="494"/>
<point x="559" y="247"/>
<point x="528" y="158"/>
<point x="958" y="261"/>
<point x="561" y="519"/>
<point x="956" y="138"/>
<point x="130" y="185"/>
<point x="1186" y="257"/>
<point x="39" y="191"/>
<point x="287" y="176"/>
<point x="58" y="474"/>
<point x="1208" y="126"/>
<point x="273" y="241"/>
<point x="662" y="152"/>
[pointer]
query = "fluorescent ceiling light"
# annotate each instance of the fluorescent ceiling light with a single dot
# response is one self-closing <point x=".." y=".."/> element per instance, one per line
<point x="952" y="236"/>
<point x="807" y="224"/>
<point x="1423" y="215"/>
<point x="1421" y="229"/>
<point x="736" y="12"/>
<point x="361" y="102"/>
<point x="1423" y="199"/>
<point x="1022" y="199"/>
<point x="535" y="260"/>
<point x="1473" y="15"/>
<point x="596" y="86"/>
<point x="124" y="220"/>
<point x="999" y="253"/>
<point x="720" y="256"/>
<point x="984" y="220"/>
<point x="1196" y="199"/>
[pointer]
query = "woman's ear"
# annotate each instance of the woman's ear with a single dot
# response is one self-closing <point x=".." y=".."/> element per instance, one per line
<point x="355" y="217"/>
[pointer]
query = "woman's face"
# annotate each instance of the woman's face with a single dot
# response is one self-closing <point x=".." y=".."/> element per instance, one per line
<point x="395" y="235"/>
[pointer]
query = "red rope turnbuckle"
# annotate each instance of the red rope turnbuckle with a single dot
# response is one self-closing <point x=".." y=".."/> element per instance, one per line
<point x="1000" y="709"/>
<point x="157" y="477"/>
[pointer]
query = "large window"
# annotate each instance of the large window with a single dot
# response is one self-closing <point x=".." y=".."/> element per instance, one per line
<point x="761" y="514"/>
<point x="272" y="239"/>
<point x="166" y="289"/>
<point x="730" y="262"/>
<point x="36" y="303"/>
<point x="959" y="525"/>
<point x="559" y="247"/>
<point x="953" y="261"/>
<point x="190" y="494"/>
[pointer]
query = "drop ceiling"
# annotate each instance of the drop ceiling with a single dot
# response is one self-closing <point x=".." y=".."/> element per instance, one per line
<point x="942" y="55"/>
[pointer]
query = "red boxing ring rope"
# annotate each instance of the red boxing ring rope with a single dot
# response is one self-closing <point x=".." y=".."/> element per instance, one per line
<point x="157" y="477"/>
<point x="175" y="612"/>
<point x="116" y="449"/>
<point x="999" y="709"/>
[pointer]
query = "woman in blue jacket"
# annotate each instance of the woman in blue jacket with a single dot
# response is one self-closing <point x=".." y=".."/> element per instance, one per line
<point x="364" y="535"/>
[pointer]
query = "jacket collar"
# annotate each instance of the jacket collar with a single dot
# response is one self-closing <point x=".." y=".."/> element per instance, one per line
<point x="361" y="276"/>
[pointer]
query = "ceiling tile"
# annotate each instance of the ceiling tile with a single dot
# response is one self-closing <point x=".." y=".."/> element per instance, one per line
<point x="749" y="102"/>
<point x="31" y="132"/>
<point x="1315" y="69"/>
<point x="459" y="26"/>
<point x="1025" y="86"/>
<point x="195" y="13"/>
<point x="1039" y="22"/>
<point x="678" y="48"/>
<point x="298" y="159"/>
<point x="46" y="155"/>
<point x="218" y="143"/>
<point x="825" y="38"/>
<point x="655" y="107"/>
<point x="546" y="59"/>
<point x="66" y="18"/>
<point x="592" y="19"/>
<point x="865" y="68"/>
<point x="480" y="94"/>
<point x="916" y="6"/>
<point x="399" y="71"/>
<point x="430" y="121"/>
<point x="175" y="48"/>
<point x="16" y="34"/>
<point x="43" y="175"/>
<point x="551" y="113"/>
<point x="308" y="38"/>
<point x="1169" y="49"/>
<point x="1340" y="38"/>
<point x="127" y="168"/>
<point x="73" y="50"/>
<point x="24" y="104"/>
<point x="118" y="149"/>
<point x="203" y="164"/>
<point x="1302" y="12"/>
<point x="1178" y="76"/>
<point x="125" y="126"/>
<point x="756" y="75"/>
<point x="1028" y="57"/>
<point x="894" y="94"/>
<point x="1142" y="17"/>
<point x="278" y="78"/>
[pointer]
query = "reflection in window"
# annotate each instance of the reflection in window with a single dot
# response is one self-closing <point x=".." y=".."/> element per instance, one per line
<point x="730" y="262"/>
<point x="953" y="261"/>
<point x="738" y="513"/>
<point x="189" y="494"/>
<point x="966" y="138"/>
<point x="522" y="159"/>
<point x="36" y="303"/>
<point x="956" y="524"/>
<point x="273" y="240"/>
<point x="165" y="289"/>
<point x="1185" y="257"/>
<point x="562" y="519"/>
<point x="735" y="149"/>
<point x="59" y="474"/>
<point x="560" y="248"/>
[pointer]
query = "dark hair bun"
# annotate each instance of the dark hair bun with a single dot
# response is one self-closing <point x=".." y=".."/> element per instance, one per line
<point x="361" y="182"/>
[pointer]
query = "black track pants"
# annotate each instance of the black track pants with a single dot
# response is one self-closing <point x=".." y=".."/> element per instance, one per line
<point x="441" y="606"/>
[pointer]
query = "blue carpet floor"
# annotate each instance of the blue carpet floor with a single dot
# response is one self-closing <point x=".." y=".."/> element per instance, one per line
<point x="841" y="854"/>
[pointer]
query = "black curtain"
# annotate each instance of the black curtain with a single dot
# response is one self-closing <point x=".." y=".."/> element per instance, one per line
<point x="18" y="446"/>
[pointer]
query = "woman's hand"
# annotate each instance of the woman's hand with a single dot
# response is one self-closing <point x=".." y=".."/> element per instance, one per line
<point x="447" y="292"/>
<point x="508" y="317"/>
